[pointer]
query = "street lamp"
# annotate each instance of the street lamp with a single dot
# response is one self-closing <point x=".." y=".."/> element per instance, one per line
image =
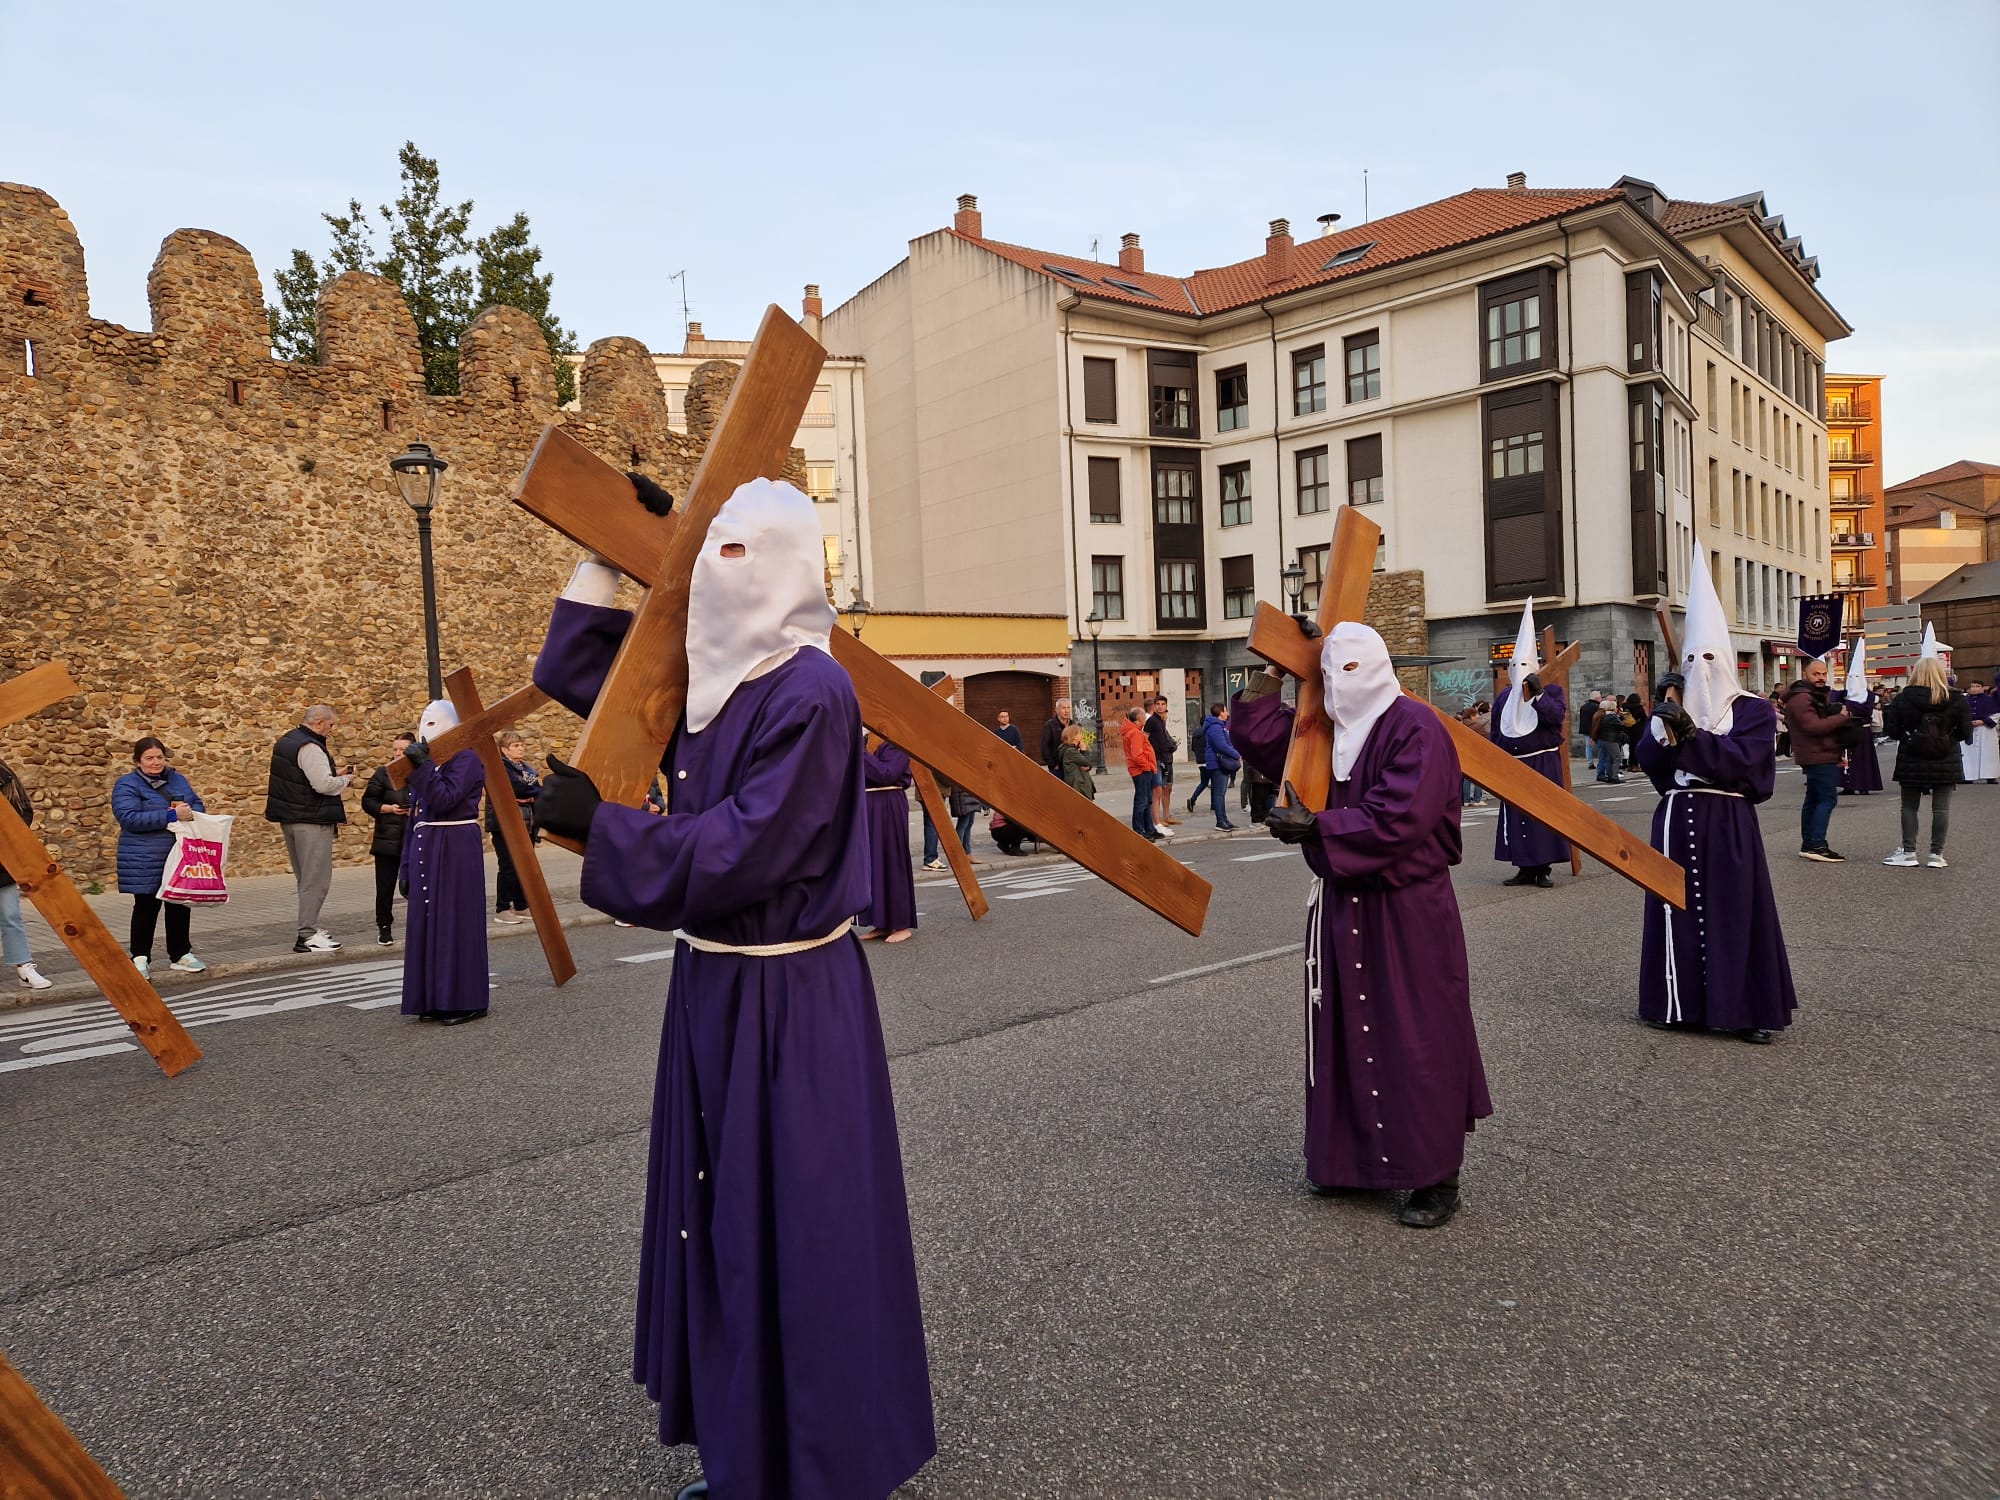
<point x="1295" y="584"/>
<point x="1094" y="623"/>
<point x="417" y="470"/>
<point x="857" y="613"/>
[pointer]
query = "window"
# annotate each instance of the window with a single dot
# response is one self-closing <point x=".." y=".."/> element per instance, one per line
<point x="1840" y="449"/>
<point x="820" y="482"/>
<point x="1764" y="511"/>
<point x="1735" y="416"/>
<point x="1763" y="428"/>
<point x="1517" y="323"/>
<point x="1180" y="592"/>
<point x="1100" y="390"/>
<point x="1173" y="494"/>
<point x="1713" y="419"/>
<point x="1107" y="587"/>
<point x="1815" y="461"/>
<point x="1170" y="376"/>
<point x="1364" y="365"/>
<point x="1516" y="454"/>
<point x="1649" y="490"/>
<point x="1642" y="321"/>
<point x="1232" y="399"/>
<point x="1308" y="380"/>
<point x="1239" y="588"/>
<point x="1523" y="496"/>
<point x="1133" y="287"/>
<point x="1736" y="500"/>
<point x="1313" y="560"/>
<point x="1348" y="256"/>
<point x="1738" y="593"/>
<point x="1235" y="480"/>
<point x="1364" y="470"/>
<point x="1819" y="535"/>
<point x="1310" y="468"/>
<point x="1715" y="494"/>
<point x="1104" y="504"/>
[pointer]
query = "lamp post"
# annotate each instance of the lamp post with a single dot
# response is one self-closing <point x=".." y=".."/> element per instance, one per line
<point x="1094" y="623"/>
<point x="1295" y="585"/>
<point x="857" y="613"/>
<point x="417" y="470"/>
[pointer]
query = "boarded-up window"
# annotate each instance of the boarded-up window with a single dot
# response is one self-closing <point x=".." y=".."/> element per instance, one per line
<point x="1239" y="587"/>
<point x="1100" y="390"/>
<point x="1104" y="504"/>
<point x="1523" y="496"/>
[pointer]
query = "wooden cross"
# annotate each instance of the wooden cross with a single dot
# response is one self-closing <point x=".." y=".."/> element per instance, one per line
<point x="40" y="1458"/>
<point x="62" y="905"/>
<point x="514" y="832"/>
<point x="1555" y="670"/>
<point x="947" y="831"/>
<point x="1276" y="637"/>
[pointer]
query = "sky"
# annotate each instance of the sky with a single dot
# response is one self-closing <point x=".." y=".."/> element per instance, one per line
<point x="761" y="146"/>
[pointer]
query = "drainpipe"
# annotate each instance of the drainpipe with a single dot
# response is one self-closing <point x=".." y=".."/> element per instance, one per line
<point x="1277" y="445"/>
<point x="1069" y="460"/>
<point x="1569" y="369"/>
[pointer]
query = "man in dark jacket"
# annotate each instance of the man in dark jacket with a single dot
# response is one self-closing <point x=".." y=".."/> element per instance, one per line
<point x="390" y="808"/>
<point x="1052" y="733"/>
<point x="1819" y="727"/>
<point x="304" y="800"/>
<point x="1164" y="745"/>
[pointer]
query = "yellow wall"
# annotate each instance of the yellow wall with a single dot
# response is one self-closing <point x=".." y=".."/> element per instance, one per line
<point x="965" y="635"/>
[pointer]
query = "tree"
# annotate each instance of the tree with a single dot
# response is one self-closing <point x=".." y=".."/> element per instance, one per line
<point x="429" y="247"/>
<point x="507" y="278"/>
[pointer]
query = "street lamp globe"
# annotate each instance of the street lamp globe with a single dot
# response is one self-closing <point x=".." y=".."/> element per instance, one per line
<point x="1094" y="623"/>
<point x="857" y="613"/>
<point x="1295" y="584"/>
<point x="417" y="471"/>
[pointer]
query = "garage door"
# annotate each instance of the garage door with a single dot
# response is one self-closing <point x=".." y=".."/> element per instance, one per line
<point x="1029" y="696"/>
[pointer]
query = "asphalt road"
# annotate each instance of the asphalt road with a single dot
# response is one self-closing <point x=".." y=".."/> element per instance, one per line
<point x="347" y="1255"/>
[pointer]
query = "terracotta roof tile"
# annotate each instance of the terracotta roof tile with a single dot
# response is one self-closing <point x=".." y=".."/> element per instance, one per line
<point x="1965" y="468"/>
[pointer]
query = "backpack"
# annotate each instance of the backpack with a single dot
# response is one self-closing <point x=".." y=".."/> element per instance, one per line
<point x="1932" y="738"/>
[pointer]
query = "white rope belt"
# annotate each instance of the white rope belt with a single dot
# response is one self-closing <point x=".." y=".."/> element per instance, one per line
<point x="888" y="789"/>
<point x="450" y="823"/>
<point x="1531" y="754"/>
<point x="766" y="950"/>
<point x="1667" y="911"/>
<point x="1315" y="921"/>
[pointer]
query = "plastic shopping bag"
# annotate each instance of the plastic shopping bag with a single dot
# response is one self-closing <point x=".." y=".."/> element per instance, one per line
<point x="194" y="867"/>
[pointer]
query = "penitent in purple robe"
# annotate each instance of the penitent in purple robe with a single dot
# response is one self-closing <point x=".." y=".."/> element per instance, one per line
<point x="1393" y="1076"/>
<point x="1862" y="769"/>
<point x="892" y="905"/>
<point x="444" y="860"/>
<point x="1521" y="840"/>
<point x="778" y="1325"/>
<point x="1721" y="963"/>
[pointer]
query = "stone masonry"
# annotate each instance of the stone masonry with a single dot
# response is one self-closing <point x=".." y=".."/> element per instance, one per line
<point x="211" y="539"/>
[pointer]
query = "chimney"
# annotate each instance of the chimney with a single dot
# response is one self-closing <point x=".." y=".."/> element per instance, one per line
<point x="967" y="220"/>
<point x="1130" y="256"/>
<point x="809" y="310"/>
<point x="694" y="336"/>
<point x="1278" y="251"/>
<point x="1517" y="182"/>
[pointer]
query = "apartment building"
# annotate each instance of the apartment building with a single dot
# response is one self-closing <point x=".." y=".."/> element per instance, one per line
<point x="1525" y="386"/>
<point x="1939" y="522"/>
<point x="1860" y="535"/>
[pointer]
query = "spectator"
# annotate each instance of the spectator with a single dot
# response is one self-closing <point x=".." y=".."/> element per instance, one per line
<point x="510" y="901"/>
<point x="13" y="930"/>
<point x="390" y="808"/>
<point x="1607" y="732"/>
<point x="1930" y="723"/>
<point x="963" y="807"/>
<point x="1784" y="731"/>
<point x="933" y="850"/>
<point x="1633" y="716"/>
<point x="1164" y="745"/>
<point x="1144" y="769"/>
<point x="1479" y="719"/>
<point x="1052" y="737"/>
<point x="1219" y="762"/>
<point x="1982" y="756"/>
<point x="1076" y="763"/>
<point x="1006" y="730"/>
<point x="1818" y="726"/>
<point x="146" y="800"/>
<point x="1259" y="791"/>
<point x="304" y="800"/>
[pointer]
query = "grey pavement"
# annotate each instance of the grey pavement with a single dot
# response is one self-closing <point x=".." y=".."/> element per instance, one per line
<point x="349" y="1255"/>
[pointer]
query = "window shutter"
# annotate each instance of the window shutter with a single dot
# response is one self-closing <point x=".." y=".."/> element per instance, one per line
<point x="1100" y="390"/>
<point x="1104" y="504"/>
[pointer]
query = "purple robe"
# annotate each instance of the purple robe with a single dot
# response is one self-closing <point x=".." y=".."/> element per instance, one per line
<point x="444" y="860"/>
<point x="1393" y="1076"/>
<point x="892" y="905"/>
<point x="1861" y="770"/>
<point x="1521" y="840"/>
<point x="1721" y="963"/>
<point x="778" y="1322"/>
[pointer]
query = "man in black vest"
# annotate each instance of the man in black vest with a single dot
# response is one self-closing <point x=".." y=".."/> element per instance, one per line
<point x="304" y="800"/>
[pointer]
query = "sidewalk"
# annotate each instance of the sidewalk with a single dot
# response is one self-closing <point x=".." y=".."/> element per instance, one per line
<point x="254" y="930"/>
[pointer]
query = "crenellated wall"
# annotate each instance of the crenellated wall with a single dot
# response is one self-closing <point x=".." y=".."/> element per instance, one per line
<point x="212" y="538"/>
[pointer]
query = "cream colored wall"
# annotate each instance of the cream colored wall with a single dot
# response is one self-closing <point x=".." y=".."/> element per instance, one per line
<point x="1929" y="554"/>
<point x="876" y="324"/>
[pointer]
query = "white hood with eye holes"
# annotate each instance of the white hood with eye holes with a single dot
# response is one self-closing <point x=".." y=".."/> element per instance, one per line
<point x="751" y="609"/>
<point x="1708" y="658"/>
<point x="1360" y="686"/>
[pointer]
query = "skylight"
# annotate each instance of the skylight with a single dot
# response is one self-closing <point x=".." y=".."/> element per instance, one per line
<point x="1348" y="256"/>
<point x="1068" y="275"/>
<point x="1133" y="288"/>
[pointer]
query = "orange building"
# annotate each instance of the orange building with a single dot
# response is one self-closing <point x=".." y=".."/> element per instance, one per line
<point x="1859" y="524"/>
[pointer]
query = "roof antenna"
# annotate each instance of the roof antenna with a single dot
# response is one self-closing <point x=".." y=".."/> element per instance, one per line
<point x="1093" y="247"/>
<point x="1364" y="195"/>
<point x="681" y="277"/>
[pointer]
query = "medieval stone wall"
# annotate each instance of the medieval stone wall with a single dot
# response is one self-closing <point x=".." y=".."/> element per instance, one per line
<point x="211" y="539"/>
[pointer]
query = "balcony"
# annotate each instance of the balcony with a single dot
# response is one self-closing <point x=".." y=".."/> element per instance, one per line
<point x="1850" y="502"/>
<point x="1854" y="585"/>
<point x="1853" y="541"/>
<point x="1849" y="413"/>
<point x="1856" y="459"/>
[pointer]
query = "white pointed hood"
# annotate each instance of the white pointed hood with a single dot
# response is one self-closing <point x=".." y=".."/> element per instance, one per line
<point x="1708" y="657"/>
<point x="439" y="716"/>
<point x="1857" y="671"/>
<point x="1934" y="649"/>
<point x="1360" y="686"/>
<point x="1520" y="719"/>
<point x="750" y="609"/>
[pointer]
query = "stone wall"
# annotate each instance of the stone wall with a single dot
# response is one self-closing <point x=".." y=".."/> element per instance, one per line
<point x="212" y="539"/>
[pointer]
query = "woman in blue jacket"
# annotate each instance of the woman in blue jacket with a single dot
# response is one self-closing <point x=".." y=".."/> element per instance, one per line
<point x="147" y="800"/>
<point x="1219" y="761"/>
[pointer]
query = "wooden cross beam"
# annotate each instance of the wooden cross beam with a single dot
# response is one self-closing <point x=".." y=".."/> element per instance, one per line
<point x="591" y="503"/>
<point x="1276" y="637"/>
<point x="40" y="1458"/>
<point x="947" y="831"/>
<point x="1555" y="670"/>
<point x="62" y="905"/>
<point x="464" y="696"/>
<point x="1666" y="619"/>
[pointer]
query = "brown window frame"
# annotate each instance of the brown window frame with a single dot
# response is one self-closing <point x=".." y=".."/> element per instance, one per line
<point x="1526" y="413"/>
<point x="1187" y="570"/>
<point x="1364" y="466"/>
<point x="1107" y="587"/>
<point x="1322" y="486"/>
<point x="1368" y="345"/>
<point x="1240" y="501"/>
<point x="1309" y="397"/>
<point x="1494" y="298"/>
<point x="1232" y="398"/>
<point x="1172" y="409"/>
<point x="1094" y="468"/>
<point x="1177" y="537"/>
<point x="1314" y="561"/>
<point x="1100" y="389"/>
<point x="1239" y="587"/>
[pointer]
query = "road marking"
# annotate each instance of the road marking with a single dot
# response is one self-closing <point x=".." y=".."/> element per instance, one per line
<point x="1228" y="963"/>
<point x="647" y="958"/>
<point x="1251" y="859"/>
<point x="43" y="1062"/>
<point x="1626" y="798"/>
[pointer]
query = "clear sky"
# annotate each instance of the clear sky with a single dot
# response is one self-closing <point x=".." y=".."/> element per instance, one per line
<point x="762" y="146"/>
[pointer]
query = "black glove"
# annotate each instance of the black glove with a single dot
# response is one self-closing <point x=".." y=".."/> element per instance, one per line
<point x="567" y="802"/>
<point x="403" y="886"/>
<point x="652" y="494"/>
<point x="1678" y="722"/>
<point x="1309" y="625"/>
<point x="1532" y="684"/>
<point x="417" y="752"/>
<point x="1292" y="823"/>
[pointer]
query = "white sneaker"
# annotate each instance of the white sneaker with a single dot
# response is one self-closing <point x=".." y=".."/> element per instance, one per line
<point x="936" y="864"/>
<point x="144" y="965"/>
<point x="32" y="978"/>
<point x="1904" y="858"/>
<point x="187" y="963"/>
<point x="1935" y="862"/>
<point x="323" y="941"/>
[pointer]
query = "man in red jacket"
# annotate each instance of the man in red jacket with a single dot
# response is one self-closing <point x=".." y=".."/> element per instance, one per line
<point x="1145" y="769"/>
<point x="1818" y="725"/>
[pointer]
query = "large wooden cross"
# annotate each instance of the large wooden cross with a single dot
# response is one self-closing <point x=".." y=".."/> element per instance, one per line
<point x="40" y="1458"/>
<point x="62" y="905"/>
<point x="1276" y="637"/>
<point x="1555" y="673"/>
<point x="947" y="831"/>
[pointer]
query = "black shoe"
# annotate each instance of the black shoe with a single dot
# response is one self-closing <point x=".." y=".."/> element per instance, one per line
<point x="1190" y="804"/>
<point x="1822" y="854"/>
<point x="1430" y="1207"/>
<point x="300" y="947"/>
<point x="1152" y="837"/>
<point x="1521" y="877"/>
<point x="1226" y="827"/>
<point x="383" y="937"/>
<point x="1545" y="880"/>
<point x="1756" y="1035"/>
<point x="1829" y="856"/>
<point x="460" y="1017"/>
<point x="1665" y="1025"/>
